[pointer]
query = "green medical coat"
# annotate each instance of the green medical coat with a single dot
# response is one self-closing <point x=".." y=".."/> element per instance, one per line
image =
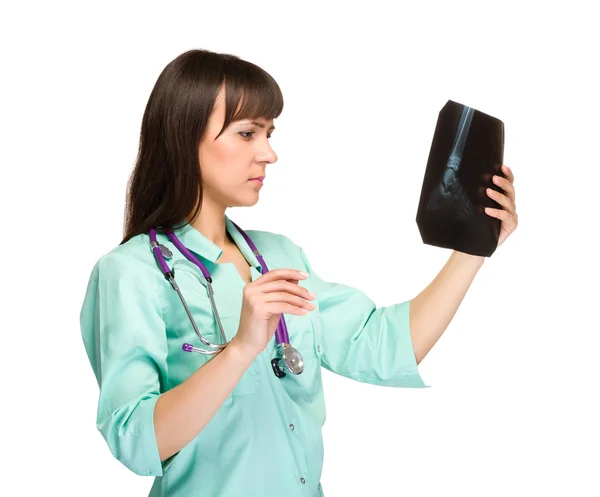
<point x="266" y="439"/>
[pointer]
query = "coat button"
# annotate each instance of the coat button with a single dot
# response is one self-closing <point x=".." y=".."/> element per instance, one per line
<point x="303" y="480"/>
<point x="291" y="427"/>
<point x="318" y="349"/>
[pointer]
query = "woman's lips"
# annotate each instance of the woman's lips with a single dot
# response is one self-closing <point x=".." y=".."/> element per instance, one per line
<point x="257" y="180"/>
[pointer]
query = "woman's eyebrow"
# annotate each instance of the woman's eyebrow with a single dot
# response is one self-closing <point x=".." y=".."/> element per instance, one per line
<point x="261" y="125"/>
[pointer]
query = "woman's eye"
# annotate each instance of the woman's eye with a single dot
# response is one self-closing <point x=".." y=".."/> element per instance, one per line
<point x="244" y="133"/>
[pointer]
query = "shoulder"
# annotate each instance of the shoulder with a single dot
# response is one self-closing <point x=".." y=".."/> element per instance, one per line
<point x="279" y="249"/>
<point x="132" y="260"/>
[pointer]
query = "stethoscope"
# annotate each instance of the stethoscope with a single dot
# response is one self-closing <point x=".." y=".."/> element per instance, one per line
<point x="288" y="358"/>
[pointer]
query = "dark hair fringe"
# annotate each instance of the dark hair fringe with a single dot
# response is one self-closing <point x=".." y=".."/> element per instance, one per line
<point x="165" y="186"/>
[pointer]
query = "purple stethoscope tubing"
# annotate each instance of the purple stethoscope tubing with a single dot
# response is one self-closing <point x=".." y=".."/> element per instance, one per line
<point x="281" y="333"/>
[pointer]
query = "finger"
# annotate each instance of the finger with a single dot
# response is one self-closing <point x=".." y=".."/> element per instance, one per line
<point x="280" y="274"/>
<point x="506" y="185"/>
<point x="285" y="308"/>
<point x="503" y="200"/>
<point x="290" y="299"/>
<point x="286" y="286"/>
<point x="510" y="176"/>
<point x="497" y="213"/>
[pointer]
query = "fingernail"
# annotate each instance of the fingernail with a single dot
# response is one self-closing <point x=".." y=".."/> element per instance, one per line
<point x="302" y="273"/>
<point x="313" y="295"/>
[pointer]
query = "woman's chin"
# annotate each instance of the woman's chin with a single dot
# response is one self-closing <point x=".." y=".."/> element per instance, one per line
<point x="247" y="202"/>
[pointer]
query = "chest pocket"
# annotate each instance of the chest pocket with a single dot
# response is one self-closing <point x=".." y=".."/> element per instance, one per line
<point x="251" y="378"/>
<point x="307" y="339"/>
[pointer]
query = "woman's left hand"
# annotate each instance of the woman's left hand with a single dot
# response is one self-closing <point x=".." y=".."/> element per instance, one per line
<point x="508" y="215"/>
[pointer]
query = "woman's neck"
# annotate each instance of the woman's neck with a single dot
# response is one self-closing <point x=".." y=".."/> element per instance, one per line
<point x="211" y="223"/>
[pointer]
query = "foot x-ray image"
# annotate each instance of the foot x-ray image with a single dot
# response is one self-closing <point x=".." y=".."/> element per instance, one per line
<point x="449" y="193"/>
<point x="467" y="150"/>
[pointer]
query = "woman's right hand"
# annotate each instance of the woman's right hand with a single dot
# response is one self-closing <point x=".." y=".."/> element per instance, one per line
<point x="264" y="300"/>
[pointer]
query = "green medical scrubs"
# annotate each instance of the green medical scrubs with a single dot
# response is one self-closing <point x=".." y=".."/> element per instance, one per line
<point x="266" y="439"/>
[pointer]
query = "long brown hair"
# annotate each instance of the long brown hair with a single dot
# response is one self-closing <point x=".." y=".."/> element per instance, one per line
<point x="165" y="185"/>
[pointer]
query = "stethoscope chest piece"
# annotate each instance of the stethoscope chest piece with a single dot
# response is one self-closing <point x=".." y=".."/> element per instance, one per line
<point x="288" y="360"/>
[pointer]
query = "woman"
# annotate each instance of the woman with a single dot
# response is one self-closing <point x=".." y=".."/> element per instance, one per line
<point x="236" y="422"/>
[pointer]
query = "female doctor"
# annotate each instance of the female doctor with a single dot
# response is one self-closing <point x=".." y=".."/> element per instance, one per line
<point x="246" y="418"/>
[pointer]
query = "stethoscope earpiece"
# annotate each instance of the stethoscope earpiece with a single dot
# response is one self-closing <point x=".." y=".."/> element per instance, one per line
<point x="166" y="253"/>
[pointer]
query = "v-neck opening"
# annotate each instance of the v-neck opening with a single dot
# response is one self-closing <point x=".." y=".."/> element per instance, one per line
<point x="254" y="273"/>
<point x="242" y="245"/>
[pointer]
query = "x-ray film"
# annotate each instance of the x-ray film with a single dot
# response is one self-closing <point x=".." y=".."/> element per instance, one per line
<point x="467" y="150"/>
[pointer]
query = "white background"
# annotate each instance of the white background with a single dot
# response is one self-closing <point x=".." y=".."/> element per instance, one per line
<point x="512" y="408"/>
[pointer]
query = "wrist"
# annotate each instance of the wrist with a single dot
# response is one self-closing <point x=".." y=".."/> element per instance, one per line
<point x="241" y="350"/>
<point x="468" y="259"/>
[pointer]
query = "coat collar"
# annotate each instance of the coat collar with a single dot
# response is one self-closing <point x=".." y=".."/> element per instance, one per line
<point x="195" y="241"/>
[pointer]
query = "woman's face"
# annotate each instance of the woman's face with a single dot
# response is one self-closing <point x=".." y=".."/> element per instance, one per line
<point x="242" y="152"/>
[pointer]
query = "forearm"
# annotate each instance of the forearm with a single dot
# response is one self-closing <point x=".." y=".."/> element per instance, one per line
<point x="432" y="310"/>
<point x="183" y="412"/>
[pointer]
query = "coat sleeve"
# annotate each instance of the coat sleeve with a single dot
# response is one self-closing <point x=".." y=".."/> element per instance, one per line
<point x="363" y="342"/>
<point x="125" y="339"/>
